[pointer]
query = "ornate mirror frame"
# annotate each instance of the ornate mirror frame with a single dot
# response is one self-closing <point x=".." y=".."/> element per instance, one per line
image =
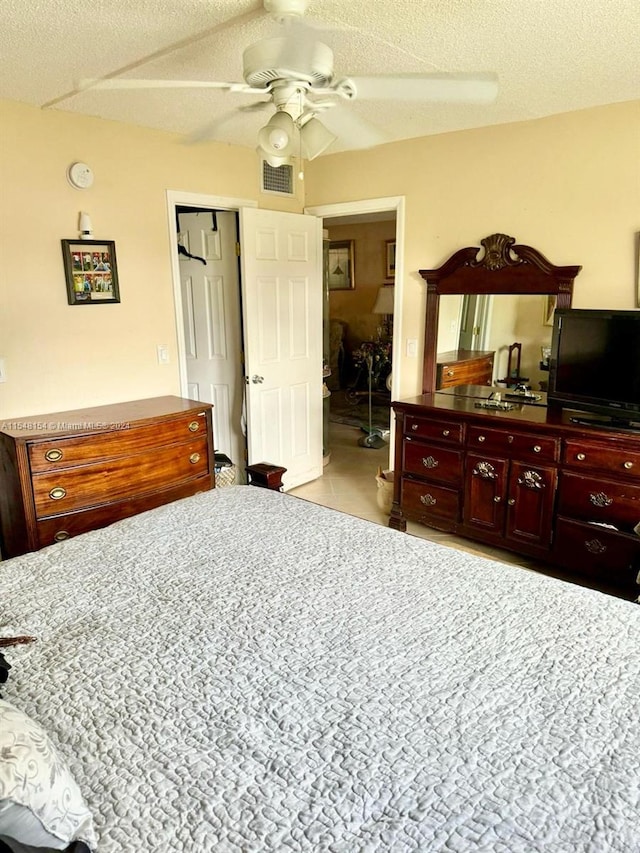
<point x="503" y="267"/>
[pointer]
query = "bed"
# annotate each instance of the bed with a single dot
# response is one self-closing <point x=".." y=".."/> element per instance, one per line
<point x="246" y="671"/>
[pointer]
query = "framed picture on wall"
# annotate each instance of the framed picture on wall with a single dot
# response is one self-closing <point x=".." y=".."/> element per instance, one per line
<point x="390" y="260"/>
<point x="91" y="271"/>
<point x="341" y="265"/>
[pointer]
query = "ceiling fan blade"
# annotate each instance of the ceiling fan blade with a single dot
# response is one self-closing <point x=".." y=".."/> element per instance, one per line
<point x="207" y="132"/>
<point x="238" y="20"/>
<point x="137" y="83"/>
<point x="448" y="88"/>
<point x="350" y="129"/>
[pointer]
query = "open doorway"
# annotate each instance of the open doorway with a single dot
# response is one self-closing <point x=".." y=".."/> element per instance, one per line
<point x="349" y="480"/>
<point x="212" y="321"/>
<point x="360" y="321"/>
<point x="278" y="368"/>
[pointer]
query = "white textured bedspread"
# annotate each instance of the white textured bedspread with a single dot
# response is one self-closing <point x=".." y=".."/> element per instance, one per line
<point x="245" y="671"/>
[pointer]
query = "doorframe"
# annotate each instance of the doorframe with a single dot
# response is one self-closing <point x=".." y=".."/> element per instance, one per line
<point x="483" y="319"/>
<point x="177" y="198"/>
<point x="389" y="204"/>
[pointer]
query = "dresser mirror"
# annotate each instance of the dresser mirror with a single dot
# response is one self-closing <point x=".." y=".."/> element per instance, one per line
<point x="492" y="323"/>
<point x="512" y="287"/>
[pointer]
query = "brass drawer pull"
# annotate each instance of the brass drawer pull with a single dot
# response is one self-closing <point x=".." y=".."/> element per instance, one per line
<point x="430" y="462"/>
<point x="53" y="455"/>
<point x="580" y="457"/>
<point x="510" y="439"/>
<point x="531" y="480"/>
<point x="446" y="432"/>
<point x="58" y="493"/>
<point x="497" y="499"/>
<point x="481" y="438"/>
<point x="595" y="546"/>
<point x="451" y="373"/>
<point x="428" y="500"/>
<point x="486" y="471"/>
<point x="628" y="465"/>
<point x="537" y="448"/>
<point x="194" y="426"/>
<point x="195" y="457"/>
<point x="414" y="426"/>
<point x="61" y="535"/>
<point x="600" y="499"/>
<point x="511" y="501"/>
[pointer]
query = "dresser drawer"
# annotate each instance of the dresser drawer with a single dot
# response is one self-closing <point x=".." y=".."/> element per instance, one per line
<point x="90" y="485"/>
<point x="54" y="454"/>
<point x="597" y="552"/>
<point x="591" y="499"/>
<point x="445" y="431"/>
<point x="514" y="444"/>
<point x="61" y="527"/>
<point x="580" y="454"/>
<point x="473" y="372"/>
<point x="427" y="501"/>
<point x="432" y="461"/>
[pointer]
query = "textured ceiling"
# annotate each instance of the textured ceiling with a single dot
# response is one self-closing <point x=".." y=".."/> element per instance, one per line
<point x="551" y="56"/>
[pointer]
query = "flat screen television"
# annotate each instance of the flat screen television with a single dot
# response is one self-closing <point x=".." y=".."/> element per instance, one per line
<point x="594" y="365"/>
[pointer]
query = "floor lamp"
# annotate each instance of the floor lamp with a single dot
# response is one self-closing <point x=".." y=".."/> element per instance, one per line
<point x="383" y="305"/>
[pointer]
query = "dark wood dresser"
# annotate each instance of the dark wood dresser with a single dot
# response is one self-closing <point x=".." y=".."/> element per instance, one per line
<point x="68" y="472"/>
<point x="464" y="367"/>
<point x="527" y="480"/>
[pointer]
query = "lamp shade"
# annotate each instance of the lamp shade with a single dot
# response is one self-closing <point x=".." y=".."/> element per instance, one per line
<point x="276" y="139"/>
<point x="315" y="138"/>
<point x="384" y="300"/>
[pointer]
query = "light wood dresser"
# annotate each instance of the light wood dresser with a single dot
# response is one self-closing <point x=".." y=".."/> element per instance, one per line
<point x="68" y="472"/>
<point x="464" y="367"/>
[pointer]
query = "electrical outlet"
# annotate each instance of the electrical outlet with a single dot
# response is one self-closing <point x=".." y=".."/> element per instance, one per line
<point x="163" y="354"/>
<point x="3" y="371"/>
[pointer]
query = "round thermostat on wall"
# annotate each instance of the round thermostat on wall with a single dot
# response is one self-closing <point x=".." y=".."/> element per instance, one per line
<point x="80" y="176"/>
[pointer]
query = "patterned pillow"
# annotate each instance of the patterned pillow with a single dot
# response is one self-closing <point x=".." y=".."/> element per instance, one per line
<point x="32" y="774"/>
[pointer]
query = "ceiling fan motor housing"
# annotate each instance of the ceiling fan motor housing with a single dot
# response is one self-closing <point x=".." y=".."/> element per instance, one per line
<point x="281" y="10"/>
<point x="277" y="59"/>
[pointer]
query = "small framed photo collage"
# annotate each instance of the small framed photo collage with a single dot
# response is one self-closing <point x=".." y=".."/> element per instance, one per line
<point x="91" y="271"/>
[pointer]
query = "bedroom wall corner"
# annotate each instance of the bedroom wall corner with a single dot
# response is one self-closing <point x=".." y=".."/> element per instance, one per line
<point x="60" y="357"/>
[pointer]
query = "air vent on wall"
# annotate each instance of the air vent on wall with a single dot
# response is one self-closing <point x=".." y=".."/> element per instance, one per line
<point x="277" y="179"/>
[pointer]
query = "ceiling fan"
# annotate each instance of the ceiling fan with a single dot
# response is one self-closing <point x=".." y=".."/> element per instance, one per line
<point x="295" y="69"/>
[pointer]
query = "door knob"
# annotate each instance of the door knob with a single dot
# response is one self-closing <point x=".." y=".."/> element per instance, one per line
<point x="257" y="379"/>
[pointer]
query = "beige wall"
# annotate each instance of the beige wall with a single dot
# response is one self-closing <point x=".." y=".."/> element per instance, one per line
<point x="59" y="356"/>
<point x="568" y="185"/>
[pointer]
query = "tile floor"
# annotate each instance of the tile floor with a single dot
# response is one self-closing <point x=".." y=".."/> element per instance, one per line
<point x="349" y="485"/>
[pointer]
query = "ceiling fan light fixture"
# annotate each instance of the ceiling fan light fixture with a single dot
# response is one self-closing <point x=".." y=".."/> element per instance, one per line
<point x="276" y="139"/>
<point x="315" y="138"/>
<point x="272" y="159"/>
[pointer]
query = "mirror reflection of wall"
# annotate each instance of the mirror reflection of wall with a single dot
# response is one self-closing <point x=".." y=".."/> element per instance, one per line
<point x="508" y="319"/>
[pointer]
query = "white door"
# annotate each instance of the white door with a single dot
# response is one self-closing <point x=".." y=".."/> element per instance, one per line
<point x="212" y="323"/>
<point x="282" y="314"/>
<point x="473" y="321"/>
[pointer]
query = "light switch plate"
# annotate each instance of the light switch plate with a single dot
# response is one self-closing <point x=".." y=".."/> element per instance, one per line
<point x="3" y="371"/>
<point x="163" y="354"/>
